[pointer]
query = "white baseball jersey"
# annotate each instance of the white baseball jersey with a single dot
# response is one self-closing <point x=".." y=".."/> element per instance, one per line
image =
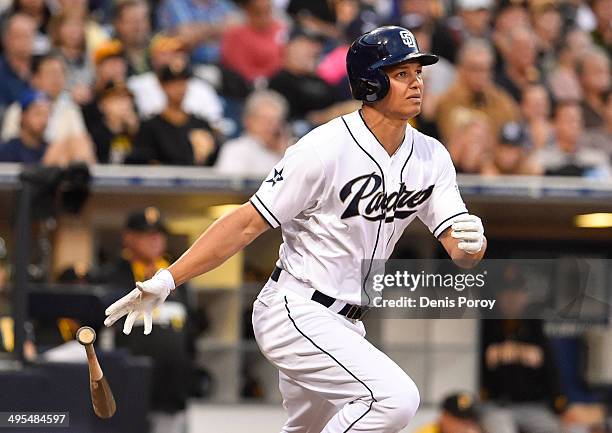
<point x="340" y="198"/>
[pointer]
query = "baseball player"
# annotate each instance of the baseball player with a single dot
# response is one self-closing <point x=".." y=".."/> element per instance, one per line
<point x="342" y="194"/>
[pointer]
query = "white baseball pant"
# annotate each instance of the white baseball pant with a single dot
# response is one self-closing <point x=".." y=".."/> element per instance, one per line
<point x="331" y="378"/>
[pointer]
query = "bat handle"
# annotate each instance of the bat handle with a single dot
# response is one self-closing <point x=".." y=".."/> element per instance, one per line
<point x="95" y="371"/>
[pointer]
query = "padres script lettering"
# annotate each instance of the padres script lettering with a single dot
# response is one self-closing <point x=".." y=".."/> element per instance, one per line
<point x="367" y="188"/>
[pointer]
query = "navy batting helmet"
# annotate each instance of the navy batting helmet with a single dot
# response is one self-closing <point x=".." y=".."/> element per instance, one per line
<point x="384" y="46"/>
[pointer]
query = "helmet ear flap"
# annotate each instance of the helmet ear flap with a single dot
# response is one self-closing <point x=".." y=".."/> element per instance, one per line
<point x="377" y="86"/>
<point x="372" y="87"/>
<point x="383" y="79"/>
<point x="369" y="85"/>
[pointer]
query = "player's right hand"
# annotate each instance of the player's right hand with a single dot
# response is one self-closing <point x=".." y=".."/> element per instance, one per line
<point x="141" y="301"/>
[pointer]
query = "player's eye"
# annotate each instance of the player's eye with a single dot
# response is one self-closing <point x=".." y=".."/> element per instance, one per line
<point x="401" y="74"/>
<point x="419" y="72"/>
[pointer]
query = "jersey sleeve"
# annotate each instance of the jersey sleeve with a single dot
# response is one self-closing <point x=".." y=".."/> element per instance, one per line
<point x="445" y="202"/>
<point x="294" y="184"/>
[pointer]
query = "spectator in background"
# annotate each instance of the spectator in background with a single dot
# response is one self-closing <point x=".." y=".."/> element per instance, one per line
<point x="508" y="15"/>
<point x="474" y="89"/>
<point x="114" y="134"/>
<point x="563" y="80"/>
<point x="133" y="28"/>
<point x="68" y="36"/>
<point x="473" y="19"/>
<point x="264" y="140"/>
<point x="471" y="142"/>
<point x="174" y="137"/>
<point x="198" y="24"/>
<point x="255" y="49"/>
<point x="569" y="156"/>
<point x="510" y="155"/>
<point x="200" y="99"/>
<point x="354" y="12"/>
<point x="602" y="34"/>
<point x="66" y="134"/>
<point x="15" y="64"/>
<point x="546" y="20"/>
<point x="593" y="68"/>
<point x="458" y="414"/>
<point x="443" y="43"/>
<point x="601" y="138"/>
<point x="425" y="8"/>
<point x="110" y="65"/>
<point x="297" y="80"/>
<point x="519" y="57"/>
<point x="535" y="110"/>
<point x="309" y="96"/>
<point x="519" y="381"/>
<point x="95" y="34"/>
<point x="143" y="252"/>
<point x="317" y="17"/>
<point x="437" y="79"/>
<point x="29" y="145"/>
<point x="355" y="22"/>
<point x="144" y="243"/>
<point x="40" y="13"/>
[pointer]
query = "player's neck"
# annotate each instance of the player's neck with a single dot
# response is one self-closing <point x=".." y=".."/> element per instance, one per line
<point x="389" y="132"/>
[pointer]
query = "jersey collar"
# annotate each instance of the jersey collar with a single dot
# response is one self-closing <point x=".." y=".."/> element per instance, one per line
<point x="366" y="138"/>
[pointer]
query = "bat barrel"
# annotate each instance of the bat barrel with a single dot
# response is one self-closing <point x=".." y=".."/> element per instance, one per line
<point x="86" y="335"/>
<point x="102" y="397"/>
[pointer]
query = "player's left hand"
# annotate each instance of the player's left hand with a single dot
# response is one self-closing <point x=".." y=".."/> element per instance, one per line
<point x="141" y="301"/>
<point x="469" y="231"/>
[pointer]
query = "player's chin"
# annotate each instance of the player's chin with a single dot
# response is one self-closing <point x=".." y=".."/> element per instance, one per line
<point x="411" y="110"/>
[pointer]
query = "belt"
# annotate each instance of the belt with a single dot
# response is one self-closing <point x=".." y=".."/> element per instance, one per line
<point x="355" y="312"/>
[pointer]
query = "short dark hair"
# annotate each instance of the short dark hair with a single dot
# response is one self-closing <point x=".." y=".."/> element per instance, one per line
<point x="37" y="61"/>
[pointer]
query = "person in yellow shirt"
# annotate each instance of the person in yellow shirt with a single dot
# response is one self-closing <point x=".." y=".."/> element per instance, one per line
<point x="459" y="414"/>
<point x="144" y="242"/>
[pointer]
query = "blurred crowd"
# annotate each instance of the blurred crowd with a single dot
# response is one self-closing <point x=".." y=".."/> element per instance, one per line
<point x="523" y="86"/>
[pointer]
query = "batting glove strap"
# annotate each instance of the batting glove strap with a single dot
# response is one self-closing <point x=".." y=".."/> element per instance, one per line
<point x="164" y="276"/>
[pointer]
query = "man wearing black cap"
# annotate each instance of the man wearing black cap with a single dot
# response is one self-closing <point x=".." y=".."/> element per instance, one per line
<point x="174" y="137"/>
<point x="459" y="414"/>
<point x="114" y="133"/>
<point x="144" y="240"/>
<point x="510" y="156"/>
<point x="144" y="251"/>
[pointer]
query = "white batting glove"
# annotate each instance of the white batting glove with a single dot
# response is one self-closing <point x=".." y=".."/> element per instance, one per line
<point x="470" y="232"/>
<point x="141" y="301"/>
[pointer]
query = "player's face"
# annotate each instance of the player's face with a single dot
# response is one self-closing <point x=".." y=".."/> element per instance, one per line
<point x="405" y="91"/>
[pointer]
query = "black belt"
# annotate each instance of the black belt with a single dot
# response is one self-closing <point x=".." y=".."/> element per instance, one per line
<point x="350" y="311"/>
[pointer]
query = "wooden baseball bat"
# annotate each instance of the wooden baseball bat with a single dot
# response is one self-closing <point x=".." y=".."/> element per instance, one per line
<point x="101" y="395"/>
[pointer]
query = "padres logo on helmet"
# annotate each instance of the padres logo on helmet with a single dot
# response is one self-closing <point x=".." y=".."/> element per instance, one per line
<point x="384" y="46"/>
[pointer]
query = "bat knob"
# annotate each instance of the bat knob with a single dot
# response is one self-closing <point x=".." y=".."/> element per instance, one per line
<point x="86" y="335"/>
